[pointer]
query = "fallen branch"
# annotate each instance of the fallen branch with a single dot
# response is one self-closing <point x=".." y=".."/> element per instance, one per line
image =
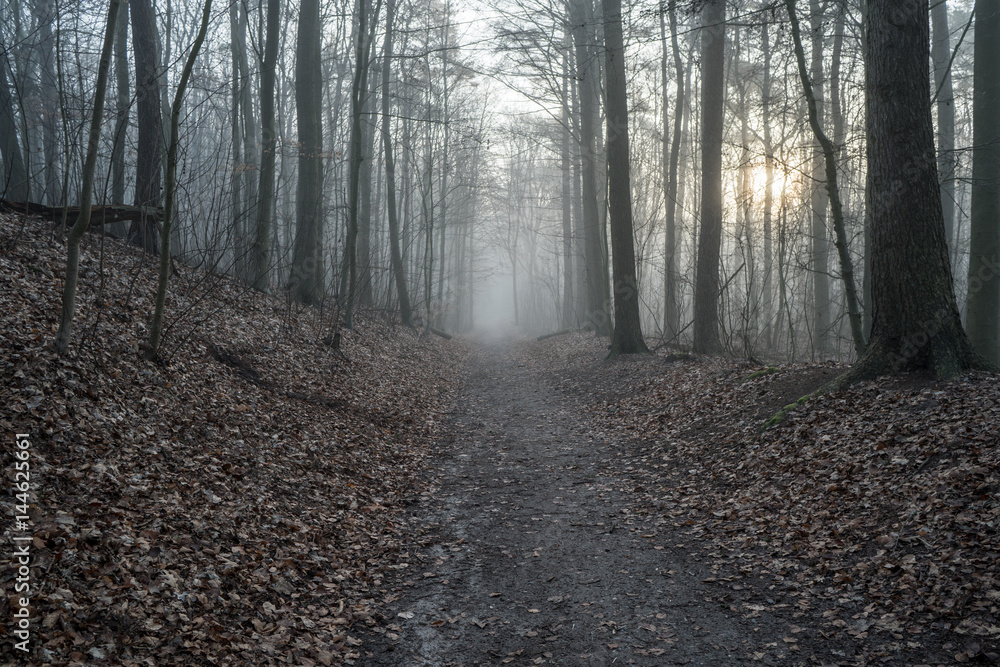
<point x="99" y="215"/>
<point x="438" y="332"/>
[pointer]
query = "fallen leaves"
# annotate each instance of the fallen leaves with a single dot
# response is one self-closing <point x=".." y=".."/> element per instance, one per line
<point x="880" y="501"/>
<point x="242" y="499"/>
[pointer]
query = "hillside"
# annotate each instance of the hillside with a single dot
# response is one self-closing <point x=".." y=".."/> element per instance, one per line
<point x="238" y="502"/>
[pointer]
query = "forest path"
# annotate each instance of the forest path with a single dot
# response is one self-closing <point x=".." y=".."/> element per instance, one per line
<point x="539" y="558"/>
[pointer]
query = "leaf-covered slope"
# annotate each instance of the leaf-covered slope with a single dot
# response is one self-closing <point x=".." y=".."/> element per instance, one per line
<point x="873" y="513"/>
<point x="238" y="501"/>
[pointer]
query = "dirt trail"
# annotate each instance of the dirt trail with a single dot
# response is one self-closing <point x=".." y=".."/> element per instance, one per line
<point x="539" y="558"/>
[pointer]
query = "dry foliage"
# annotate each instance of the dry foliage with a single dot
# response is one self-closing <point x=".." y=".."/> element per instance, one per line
<point x="238" y="502"/>
<point x="874" y="511"/>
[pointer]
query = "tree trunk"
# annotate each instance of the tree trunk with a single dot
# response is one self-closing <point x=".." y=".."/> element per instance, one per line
<point x="568" y="317"/>
<point x="765" y="112"/>
<point x="149" y="157"/>
<point x="14" y="183"/>
<point x="598" y="306"/>
<point x="156" y="324"/>
<point x="306" y="280"/>
<point x="833" y="191"/>
<point x="627" y="335"/>
<point x="671" y="277"/>
<point x="706" y="294"/>
<point x="48" y="88"/>
<point x="941" y="53"/>
<point x="359" y="91"/>
<point x="983" y="309"/>
<point x="395" y="255"/>
<point x="916" y="324"/>
<point x="261" y="251"/>
<point x="122" y="107"/>
<point x="820" y="268"/>
<point x="90" y="166"/>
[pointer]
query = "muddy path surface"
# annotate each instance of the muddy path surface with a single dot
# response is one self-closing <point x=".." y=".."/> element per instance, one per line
<point x="538" y="557"/>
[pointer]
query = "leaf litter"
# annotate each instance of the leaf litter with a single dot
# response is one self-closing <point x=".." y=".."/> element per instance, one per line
<point x="869" y="516"/>
<point x="239" y="502"/>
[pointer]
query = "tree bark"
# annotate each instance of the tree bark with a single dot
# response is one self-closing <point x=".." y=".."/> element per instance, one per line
<point x="149" y="157"/>
<point x="14" y="183"/>
<point x="983" y="309"/>
<point x="627" y="335"/>
<point x="48" y="88"/>
<point x="598" y="300"/>
<point x="671" y="277"/>
<point x="568" y="317"/>
<point x="306" y="280"/>
<point x="122" y="107"/>
<point x="707" y="289"/>
<point x="261" y="251"/>
<point x="915" y="324"/>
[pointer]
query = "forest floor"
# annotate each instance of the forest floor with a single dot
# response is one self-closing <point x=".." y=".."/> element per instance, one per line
<point x="237" y="502"/>
<point x="256" y="497"/>
<point x="632" y="512"/>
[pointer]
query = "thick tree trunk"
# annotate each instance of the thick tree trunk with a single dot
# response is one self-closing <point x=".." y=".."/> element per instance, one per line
<point x="306" y="280"/>
<point x="14" y="179"/>
<point x="261" y="251"/>
<point x="983" y="309"/>
<point x="707" y="288"/>
<point x="598" y="306"/>
<point x="627" y="335"/>
<point x="149" y="158"/>
<point x="916" y="324"/>
<point x="49" y="90"/>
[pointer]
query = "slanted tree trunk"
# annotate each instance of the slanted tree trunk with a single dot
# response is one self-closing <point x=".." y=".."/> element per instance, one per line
<point x="156" y="324"/>
<point x="627" y="335"/>
<point x="306" y="280"/>
<point x="833" y="191"/>
<point x="395" y="254"/>
<point x="983" y="309"/>
<point x="707" y="288"/>
<point x="149" y="156"/>
<point x="261" y="251"/>
<point x="915" y="324"/>
<point x="89" y="167"/>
